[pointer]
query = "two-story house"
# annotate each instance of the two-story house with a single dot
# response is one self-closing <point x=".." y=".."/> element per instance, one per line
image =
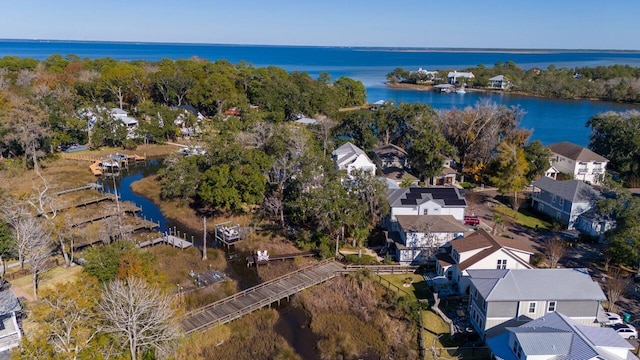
<point x="350" y="158"/>
<point x="500" y="298"/>
<point x="563" y="200"/>
<point x="453" y="76"/>
<point x="422" y="235"/>
<point x="481" y="251"/>
<point x="579" y="162"/>
<point x="499" y="82"/>
<point x="392" y="160"/>
<point x="556" y="336"/>
<point x="424" y="201"/>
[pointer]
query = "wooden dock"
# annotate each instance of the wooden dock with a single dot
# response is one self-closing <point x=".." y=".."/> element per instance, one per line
<point x="257" y="297"/>
<point x="167" y="239"/>
<point x="253" y="259"/>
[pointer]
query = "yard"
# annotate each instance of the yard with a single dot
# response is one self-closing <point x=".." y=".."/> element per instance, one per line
<point x="523" y="217"/>
<point x="23" y="286"/>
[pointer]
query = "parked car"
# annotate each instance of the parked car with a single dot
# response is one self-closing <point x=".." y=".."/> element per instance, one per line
<point x="472" y="220"/>
<point x="626" y="331"/>
<point x="614" y="318"/>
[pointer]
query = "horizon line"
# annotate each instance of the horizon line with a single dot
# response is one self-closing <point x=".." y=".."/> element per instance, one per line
<point x="406" y="48"/>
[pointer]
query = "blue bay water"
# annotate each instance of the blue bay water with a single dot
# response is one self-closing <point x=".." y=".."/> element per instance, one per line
<point x="551" y="120"/>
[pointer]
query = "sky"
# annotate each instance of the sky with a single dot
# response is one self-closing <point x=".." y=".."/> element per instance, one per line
<point x="503" y="24"/>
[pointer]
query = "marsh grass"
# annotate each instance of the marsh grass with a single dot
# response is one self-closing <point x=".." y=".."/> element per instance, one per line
<point x="251" y="337"/>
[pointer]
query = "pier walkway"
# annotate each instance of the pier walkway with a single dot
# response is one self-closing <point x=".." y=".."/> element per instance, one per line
<point x="167" y="239"/>
<point x="257" y="297"/>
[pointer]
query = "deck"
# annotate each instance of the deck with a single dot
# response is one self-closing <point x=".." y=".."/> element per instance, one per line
<point x="257" y="297"/>
<point x="253" y="259"/>
<point x="167" y="239"/>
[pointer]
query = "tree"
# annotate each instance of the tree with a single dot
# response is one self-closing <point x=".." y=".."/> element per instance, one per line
<point x="511" y="169"/>
<point x="350" y="92"/>
<point x="119" y="80"/>
<point x="140" y="316"/>
<point x="29" y="129"/>
<point x="537" y="157"/>
<point x="476" y="132"/>
<point x="66" y="320"/>
<point x="616" y="136"/>
<point x="38" y="251"/>
<point x="555" y="248"/>
<point x="7" y="245"/>
<point x="617" y="287"/>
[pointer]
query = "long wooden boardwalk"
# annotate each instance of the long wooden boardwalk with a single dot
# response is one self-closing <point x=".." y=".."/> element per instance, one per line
<point x="257" y="297"/>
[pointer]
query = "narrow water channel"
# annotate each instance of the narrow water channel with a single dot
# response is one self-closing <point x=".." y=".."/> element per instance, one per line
<point x="293" y="324"/>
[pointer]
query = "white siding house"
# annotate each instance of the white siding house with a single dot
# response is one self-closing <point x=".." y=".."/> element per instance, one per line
<point x="421" y="235"/>
<point x="579" y="162"/>
<point x="350" y="158"/>
<point x="425" y="201"/>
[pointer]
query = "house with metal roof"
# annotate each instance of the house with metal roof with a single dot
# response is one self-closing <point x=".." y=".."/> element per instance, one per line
<point x="421" y="236"/>
<point x="453" y="76"/>
<point x="502" y="298"/>
<point x="350" y="158"/>
<point x="564" y="200"/>
<point x="10" y="333"/>
<point x="499" y="82"/>
<point x="481" y="251"/>
<point x="556" y="336"/>
<point x="578" y="162"/>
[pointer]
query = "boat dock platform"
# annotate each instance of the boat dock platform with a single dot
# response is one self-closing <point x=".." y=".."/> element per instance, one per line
<point x="167" y="239"/>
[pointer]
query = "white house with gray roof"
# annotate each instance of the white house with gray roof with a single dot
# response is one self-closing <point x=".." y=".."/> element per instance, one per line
<point x="499" y="82"/>
<point x="453" y="76"/>
<point x="422" y="235"/>
<point x="556" y="336"/>
<point x="579" y="162"/>
<point x="351" y="158"/>
<point x="424" y="201"/>
<point x="563" y="200"/>
<point x="502" y="298"/>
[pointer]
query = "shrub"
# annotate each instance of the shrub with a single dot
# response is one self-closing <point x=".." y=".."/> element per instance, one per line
<point x="467" y="185"/>
<point x="363" y="260"/>
<point x="129" y="144"/>
<point x="537" y="259"/>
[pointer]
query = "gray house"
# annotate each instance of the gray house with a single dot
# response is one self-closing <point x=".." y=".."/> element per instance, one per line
<point x="563" y="200"/>
<point x="556" y="336"/>
<point x="512" y="297"/>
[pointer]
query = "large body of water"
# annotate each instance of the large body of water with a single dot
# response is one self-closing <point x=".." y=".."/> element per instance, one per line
<point x="551" y="120"/>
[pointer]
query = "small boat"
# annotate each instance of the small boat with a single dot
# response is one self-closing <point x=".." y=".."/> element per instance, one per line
<point x="461" y="91"/>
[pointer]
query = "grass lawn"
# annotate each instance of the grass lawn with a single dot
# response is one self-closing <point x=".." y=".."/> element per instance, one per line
<point x="22" y="286"/>
<point x="524" y="217"/>
<point x="434" y="325"/>
<point x="418" y="288"/>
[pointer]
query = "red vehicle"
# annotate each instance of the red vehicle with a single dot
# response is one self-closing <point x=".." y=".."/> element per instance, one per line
<point x="472" y="220"/>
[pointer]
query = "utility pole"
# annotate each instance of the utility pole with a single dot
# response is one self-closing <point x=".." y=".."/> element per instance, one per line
<point x="204" y="239"/>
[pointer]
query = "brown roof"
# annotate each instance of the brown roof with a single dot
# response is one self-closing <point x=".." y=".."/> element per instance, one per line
<point x="447" y="171"/>
<point x="390" y="150"/>
<point x="445" y="259"/>
<point x="483" y="240"/>
<point x="398" y="174"/>
<point x="430" y="223"/>
<point x="576" y="152"/>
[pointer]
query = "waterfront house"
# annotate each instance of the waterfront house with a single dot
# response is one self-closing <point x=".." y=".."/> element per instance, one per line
<point x="453" y="76"/>
<point x="503" y="298"/>
<point x="557" y="336"/>
<point x="481" y="251"/>
<point x="424" y="201"/>
<point x="350" y="158"/>
<point x="563" y="200"/>
<point x="120" y="115"/>
<point x="499" y="82"/>
<point x="578" y="162"/>
<point x="421" y="235"/>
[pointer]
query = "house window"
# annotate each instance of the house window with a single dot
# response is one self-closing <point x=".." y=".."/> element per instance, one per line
<point x="551" y="307"/>
<point x="561" y="202"/>
<point x="558" y="215"/>
<point x="502" y="264"/>
<point x="553" y="199"/>
<point x="532" y="307"/>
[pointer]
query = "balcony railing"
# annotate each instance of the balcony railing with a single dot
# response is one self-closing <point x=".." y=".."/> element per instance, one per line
<point x="598" y="170"/>
<point x="582" y="171"/>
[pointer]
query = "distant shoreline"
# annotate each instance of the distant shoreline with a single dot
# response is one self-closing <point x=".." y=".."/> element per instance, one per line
<point x="407" y="49"/>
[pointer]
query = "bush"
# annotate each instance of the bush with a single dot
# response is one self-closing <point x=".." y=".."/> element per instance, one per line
<point x="129" y="144"/>
<point x="467" y="185"/>
<point x="537" y="259"/>
<point x="363" y="260"/>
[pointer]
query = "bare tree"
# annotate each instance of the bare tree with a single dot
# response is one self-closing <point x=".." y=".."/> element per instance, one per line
<point x="617" y="286"/>
<point x="555" y="248"/>
<point x="324" y="130"/>
<point x="140" y="315"/>
<point x="38" y="253"/>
